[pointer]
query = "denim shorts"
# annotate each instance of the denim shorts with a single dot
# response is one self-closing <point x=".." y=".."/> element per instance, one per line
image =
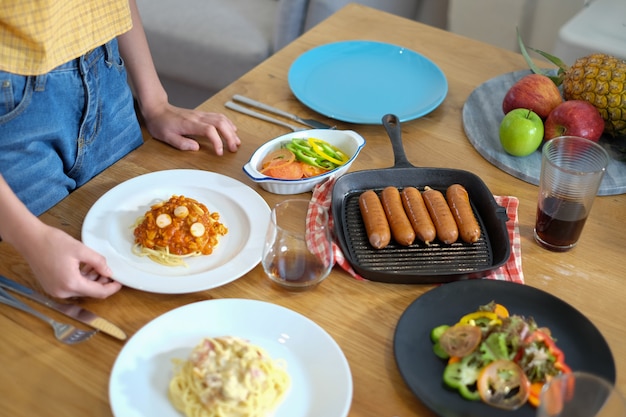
<point x="60" y="129"/>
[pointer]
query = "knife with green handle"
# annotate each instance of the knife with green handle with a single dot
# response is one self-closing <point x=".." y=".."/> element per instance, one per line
<point x="71" y="310"/>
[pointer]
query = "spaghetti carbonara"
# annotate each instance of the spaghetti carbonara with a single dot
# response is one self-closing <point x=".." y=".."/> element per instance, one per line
<point x="228" y="377"/>
<point x="178" y="228"/>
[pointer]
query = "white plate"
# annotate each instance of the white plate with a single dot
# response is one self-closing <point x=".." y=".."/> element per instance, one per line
<point x="361" y="81"/>
<point x="321" y="382"/>
<point x="108" y="228"/>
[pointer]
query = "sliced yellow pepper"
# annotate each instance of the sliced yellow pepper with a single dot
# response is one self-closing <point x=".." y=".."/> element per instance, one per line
<point x="471" y="318"/>
<point x="328" y="151"/>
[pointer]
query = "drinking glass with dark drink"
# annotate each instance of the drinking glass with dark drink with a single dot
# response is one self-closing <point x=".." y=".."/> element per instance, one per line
<point x="298" y="246"/>
<point x="572" y="169"/>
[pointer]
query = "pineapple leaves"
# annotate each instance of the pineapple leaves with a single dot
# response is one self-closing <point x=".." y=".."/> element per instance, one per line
<point x="556" y="61"/>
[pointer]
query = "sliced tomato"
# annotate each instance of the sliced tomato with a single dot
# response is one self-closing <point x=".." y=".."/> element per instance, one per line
<point x="503" y="384"/>
<point x="292" y="171"/>
<point x="460" y="339"/>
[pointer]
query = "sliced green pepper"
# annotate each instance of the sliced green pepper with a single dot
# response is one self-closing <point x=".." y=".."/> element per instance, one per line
<point x="305" y="157"/>
<point x="462" y="376"/>
<point x="439" y="351"/>
<point x="436" y="333"/>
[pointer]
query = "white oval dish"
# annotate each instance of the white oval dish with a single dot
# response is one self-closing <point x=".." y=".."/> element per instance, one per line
<point x="347" y="140"/>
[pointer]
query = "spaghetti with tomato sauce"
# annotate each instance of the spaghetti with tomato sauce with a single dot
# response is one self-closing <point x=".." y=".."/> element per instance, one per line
<point x="175" y="229"/>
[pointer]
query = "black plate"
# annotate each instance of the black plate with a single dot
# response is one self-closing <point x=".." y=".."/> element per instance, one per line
<point x="584" y="346"/>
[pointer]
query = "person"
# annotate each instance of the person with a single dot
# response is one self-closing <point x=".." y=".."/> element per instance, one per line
<point x="67" y="113"/>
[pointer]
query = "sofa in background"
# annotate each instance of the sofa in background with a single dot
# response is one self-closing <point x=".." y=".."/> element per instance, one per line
<point x="201" y="46"/>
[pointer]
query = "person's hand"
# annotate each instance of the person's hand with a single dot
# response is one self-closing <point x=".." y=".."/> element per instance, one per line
<point x="175" y="126"/>
<point x="66" y="268"/>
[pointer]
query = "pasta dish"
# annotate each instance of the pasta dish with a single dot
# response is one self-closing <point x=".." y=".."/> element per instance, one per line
<point x="228" y="377"/>
<point x="178" y="228"/>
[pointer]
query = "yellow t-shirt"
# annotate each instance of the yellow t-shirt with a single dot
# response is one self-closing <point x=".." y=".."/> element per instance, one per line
<point x="39" y="35"/>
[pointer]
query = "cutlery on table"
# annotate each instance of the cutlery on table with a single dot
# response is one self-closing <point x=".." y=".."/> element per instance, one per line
<point x="65" y="333"/>
<point x="241" y="109"/>
<point x="71" y="310"/>
<point x="315" y="124"/>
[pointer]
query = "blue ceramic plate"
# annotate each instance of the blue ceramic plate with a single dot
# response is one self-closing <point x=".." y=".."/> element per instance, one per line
<point x="582" y="343"/>
<point x="361" y="81"/>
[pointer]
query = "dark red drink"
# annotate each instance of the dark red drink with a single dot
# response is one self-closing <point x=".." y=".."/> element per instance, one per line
<point x="297" y="269"/>
<point x="559" y="223"/>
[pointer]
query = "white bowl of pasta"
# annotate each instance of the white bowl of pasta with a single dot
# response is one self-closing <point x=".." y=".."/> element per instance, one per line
<point x="296" y="162"/>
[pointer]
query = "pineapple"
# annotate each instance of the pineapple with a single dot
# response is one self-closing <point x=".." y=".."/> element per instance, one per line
<point x="598" y="78"/>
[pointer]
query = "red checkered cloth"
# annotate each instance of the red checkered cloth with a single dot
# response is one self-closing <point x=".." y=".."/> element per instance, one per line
<point x="510" y="271"/>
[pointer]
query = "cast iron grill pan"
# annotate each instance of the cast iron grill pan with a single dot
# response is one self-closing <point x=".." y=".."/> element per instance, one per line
<point x="418" y="263"/>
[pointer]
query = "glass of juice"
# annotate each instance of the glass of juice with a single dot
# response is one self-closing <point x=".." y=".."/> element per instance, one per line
<point x="298" y="246"/>
<point x="572" y="169"/>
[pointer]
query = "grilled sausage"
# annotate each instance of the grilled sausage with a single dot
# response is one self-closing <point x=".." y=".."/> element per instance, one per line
<point x="447" y="230"/>
<point x="376" y="225"/>
<point x="418" y="215"/>
<point x="401" y="228"/>
<point x="458" y="201"/>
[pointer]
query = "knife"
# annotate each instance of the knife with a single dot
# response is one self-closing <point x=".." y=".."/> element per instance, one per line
<point x="308" y="122"/>
<point x="70" y="310"/>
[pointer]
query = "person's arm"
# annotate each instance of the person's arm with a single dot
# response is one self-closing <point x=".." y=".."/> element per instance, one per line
<point x="165" y="122"/>
<point x="63" y="265"/>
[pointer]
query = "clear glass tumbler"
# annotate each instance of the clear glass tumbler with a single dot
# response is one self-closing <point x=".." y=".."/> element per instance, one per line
<point x="298" y="246"/>
<point x="572" y="169"/>
<point x="580" y="394"/>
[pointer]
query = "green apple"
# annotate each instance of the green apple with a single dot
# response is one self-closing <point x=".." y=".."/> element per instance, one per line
<point x="521" y="132"/>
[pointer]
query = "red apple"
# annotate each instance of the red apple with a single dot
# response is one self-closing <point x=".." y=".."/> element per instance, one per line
<point x="535" y="92"/>
<point x="574" y="118"/>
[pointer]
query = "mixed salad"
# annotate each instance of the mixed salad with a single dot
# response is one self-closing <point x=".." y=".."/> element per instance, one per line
<point x="502" y="359"/>
<point x="303" y="158"/>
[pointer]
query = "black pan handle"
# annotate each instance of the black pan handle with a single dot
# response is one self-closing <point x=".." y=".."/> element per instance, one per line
<point x="394" y="131"/>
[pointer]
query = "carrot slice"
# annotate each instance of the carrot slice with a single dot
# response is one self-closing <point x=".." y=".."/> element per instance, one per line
<point x="282" y="156"/>
<point x="311" y="171"/>
<point x="292" y="171"/>
<point x="534" y="393"/>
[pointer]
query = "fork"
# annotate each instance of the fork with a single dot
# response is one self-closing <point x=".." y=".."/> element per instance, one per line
<point x="315" y="124"/>
<point x="241" y="109"/>
<point x="65" y="333"/>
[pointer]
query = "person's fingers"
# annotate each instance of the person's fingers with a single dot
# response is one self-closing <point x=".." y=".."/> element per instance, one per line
<point x="93" y="262"/>
<point x="181" y="142"/>
<point x="100" y="288"/>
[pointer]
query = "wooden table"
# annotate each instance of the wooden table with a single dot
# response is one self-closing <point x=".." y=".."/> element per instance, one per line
<point x="41" y="377"/>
